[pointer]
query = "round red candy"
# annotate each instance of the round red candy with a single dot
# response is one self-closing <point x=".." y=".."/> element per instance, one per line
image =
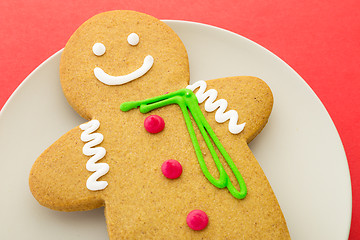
<point x="197" y="220"/>
<point x="171" y="169"/>
<point x="154" y="124"/>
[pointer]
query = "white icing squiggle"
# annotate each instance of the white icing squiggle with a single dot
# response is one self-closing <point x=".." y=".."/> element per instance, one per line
<point x="118" y="80"/>
<point x="221" y="104"/>
<point x="100" y="169"/>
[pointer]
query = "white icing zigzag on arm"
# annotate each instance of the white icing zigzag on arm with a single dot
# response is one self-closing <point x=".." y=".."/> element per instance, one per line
<point x="97" y="153"/>
<point x="221" y="104"/>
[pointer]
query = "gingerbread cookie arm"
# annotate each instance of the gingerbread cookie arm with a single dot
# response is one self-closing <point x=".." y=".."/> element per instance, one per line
<point x="58" y="177"/>
<point x="249" y="97"/>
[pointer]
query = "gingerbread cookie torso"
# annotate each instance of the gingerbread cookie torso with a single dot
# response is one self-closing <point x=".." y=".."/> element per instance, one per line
<point x="176" y="168"/>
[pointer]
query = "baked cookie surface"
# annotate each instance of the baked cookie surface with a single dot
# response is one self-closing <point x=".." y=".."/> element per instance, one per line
<point x="123" y="56"/>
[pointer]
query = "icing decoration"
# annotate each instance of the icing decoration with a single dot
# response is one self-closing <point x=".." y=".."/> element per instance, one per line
<point x="118" y="80"/>
<point x="187" y="101"/>
<point x="154" y="124"/>
<point x="133" y="39"/>
<point x="99" y="49"/>
<point x="197" y="220"/>
<point x="171" y="169"/>
<point x="100" y="169"/>
<point x="221" y="104"/>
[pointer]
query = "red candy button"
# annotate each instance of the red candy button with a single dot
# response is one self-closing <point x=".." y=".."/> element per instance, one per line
<point x="197" y="220"/>
<point x="154" y="124"/>
<point x="171" y="169"/>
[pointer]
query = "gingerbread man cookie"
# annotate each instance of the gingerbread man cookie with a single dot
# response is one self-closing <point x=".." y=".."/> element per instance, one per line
<point x="166" y="159"/>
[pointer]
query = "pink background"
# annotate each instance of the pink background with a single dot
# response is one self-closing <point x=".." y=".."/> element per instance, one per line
<point x="319" y="39"/>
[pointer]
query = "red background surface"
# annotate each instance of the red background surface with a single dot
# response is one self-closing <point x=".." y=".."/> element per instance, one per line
<point x="319" y="39"/>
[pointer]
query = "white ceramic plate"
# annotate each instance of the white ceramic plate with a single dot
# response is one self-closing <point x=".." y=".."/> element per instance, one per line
<point x="299" y="150"/>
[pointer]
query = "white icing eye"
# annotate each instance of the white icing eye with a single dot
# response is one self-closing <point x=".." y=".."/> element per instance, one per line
<point x="99" y="49"/>
<point x="133" y="39"/>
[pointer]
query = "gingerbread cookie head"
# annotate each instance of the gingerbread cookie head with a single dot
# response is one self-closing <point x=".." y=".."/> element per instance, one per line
<point x="117" y="55"/>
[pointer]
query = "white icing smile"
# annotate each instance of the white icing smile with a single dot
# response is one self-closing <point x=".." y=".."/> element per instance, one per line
<point x="99" y="50"/>
<point x="118" y="80"/>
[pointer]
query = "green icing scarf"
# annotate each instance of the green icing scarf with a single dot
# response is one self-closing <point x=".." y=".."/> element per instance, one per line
<point x="188" y="102"/>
